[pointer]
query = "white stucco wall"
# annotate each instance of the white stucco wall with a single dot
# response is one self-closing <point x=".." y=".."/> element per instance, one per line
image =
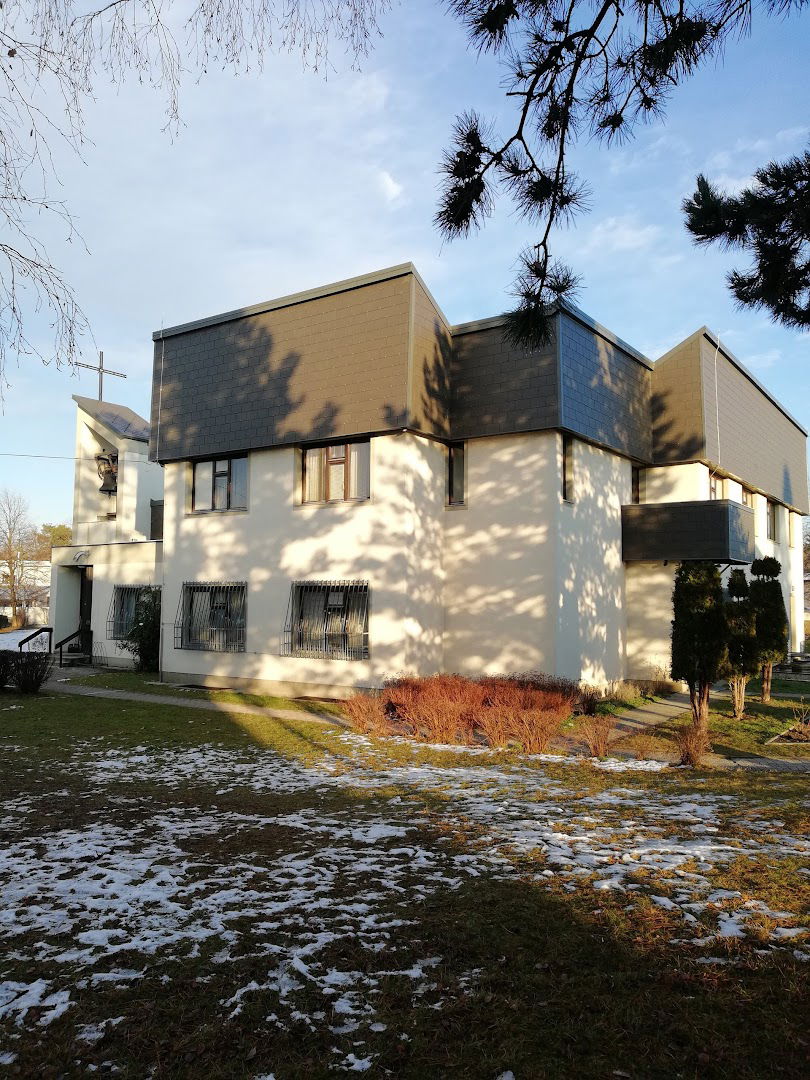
<point x="648" y="604"/>
<point x="499" y="557"/>
<point x="591" y="621"/>
<point x="113" y="564"/>
<point x="139" y="481"/>
<point x="676" y="483"/>
<point x="392" y="541"/>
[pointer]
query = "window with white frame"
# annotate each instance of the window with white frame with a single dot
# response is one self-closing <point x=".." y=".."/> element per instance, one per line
<point x="219" y="484"/>
<point x="327" y="619"/>
<point x="336" y="473"/>
<point x="212" y="616"/>
<point x="748" y="497"/>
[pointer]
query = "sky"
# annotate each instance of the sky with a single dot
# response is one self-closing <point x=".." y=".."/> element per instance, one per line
<point x="286" y="180"/>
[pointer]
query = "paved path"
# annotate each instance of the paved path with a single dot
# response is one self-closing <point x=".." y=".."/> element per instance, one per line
<point x="647" y="718"/>
<point x="55" y="686"/>
<point x="631" y="722"/>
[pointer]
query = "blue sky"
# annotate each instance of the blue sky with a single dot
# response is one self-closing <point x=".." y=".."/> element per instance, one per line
<point x="283" y="181"/>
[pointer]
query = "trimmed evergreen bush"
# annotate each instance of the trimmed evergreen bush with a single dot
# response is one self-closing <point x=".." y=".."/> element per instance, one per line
<point x="770" y="618"/>
<point x="698" y="644"/>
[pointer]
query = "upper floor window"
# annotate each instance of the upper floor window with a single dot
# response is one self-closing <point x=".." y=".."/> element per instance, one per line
<point x="455" y="474"/>
<point x="220" y="484"/>
<point x="716" y="487"/>
<point x="212" y="617"/>
<point x="568" y="468"/>
<point x="327" y="619"/>
<point x="748" y="497"/>
<point x="336" y="473"/>
<point x="773" y="531"/>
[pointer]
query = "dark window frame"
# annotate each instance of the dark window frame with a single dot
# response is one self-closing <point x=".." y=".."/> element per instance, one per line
<point x="635" y="484"/>
<point x="748" y="497"/>
<point x="456" y="474"/>
<point x="567" y="478"/>
<point x="225" y="633"/>
<point x="327" y="458"/>
<point x="319" y="627"/>
<point x="772" y="522"/>
<point x="119" y="615"/>
<point x="213" y="462"/>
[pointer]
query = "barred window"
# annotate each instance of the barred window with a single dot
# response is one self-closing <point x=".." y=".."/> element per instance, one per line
<point x="336" y="473"/>
<point x="327" y="619"/>
<point x="121" y="614"/>
<point x="212" y="616"/>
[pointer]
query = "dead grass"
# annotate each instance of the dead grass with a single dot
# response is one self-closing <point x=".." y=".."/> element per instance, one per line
<point x="524" y="710"/>
<point x="595" y="732"/>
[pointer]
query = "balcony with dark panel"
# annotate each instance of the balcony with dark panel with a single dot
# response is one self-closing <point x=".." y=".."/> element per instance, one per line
<point x="715" y="531"/>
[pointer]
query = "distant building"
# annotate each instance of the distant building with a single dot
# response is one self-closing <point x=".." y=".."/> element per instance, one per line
<point x="354" y="488"/>
<point x="33" y="592"/>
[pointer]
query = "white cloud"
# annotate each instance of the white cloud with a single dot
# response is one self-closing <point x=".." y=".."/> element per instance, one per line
<point x="762" y="360"/>
<point x="388" y="185"/>
<point x="620" y="234"/>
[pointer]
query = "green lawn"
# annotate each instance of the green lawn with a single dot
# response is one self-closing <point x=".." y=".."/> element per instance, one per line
<point x="148" y="684"/>
<point x="235" y="896"/>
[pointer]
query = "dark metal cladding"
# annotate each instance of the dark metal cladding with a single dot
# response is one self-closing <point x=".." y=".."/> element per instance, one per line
<point x="714" y="531"/>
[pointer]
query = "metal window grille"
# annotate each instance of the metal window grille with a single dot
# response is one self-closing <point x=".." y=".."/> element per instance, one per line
<point x="327" y="619"/>
<point x="121" y="613"/>
<point x="212" y="616"/>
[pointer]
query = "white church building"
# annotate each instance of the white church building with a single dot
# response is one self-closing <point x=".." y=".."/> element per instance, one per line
<point x="338" y="485"/>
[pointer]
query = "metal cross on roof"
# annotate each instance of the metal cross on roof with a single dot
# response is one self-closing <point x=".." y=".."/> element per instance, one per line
<point x="102" y="371"/>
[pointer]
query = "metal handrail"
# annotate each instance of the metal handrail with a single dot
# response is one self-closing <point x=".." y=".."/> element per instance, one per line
<point x="70" y="637"/>
<point x="42" y="630"/>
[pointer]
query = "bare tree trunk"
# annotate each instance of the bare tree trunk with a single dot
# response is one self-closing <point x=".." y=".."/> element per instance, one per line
<point x="694" y="740"/>
<point x="737" y="685"/>
<point x="767" y="676"/>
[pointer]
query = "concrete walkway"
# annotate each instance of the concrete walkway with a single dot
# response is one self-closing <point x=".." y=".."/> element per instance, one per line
<point x="649" y="716"/>
<point x="55" y="686"/>
<point x="632" y="722"/>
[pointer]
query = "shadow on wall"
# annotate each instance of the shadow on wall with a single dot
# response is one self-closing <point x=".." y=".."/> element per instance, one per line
<point x="671" y="444"/>
<point x="592" y="625"/>
<point x="227" y="407"/>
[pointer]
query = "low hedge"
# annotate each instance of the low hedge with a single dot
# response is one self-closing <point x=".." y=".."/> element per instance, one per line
<point x="26" y="671"/>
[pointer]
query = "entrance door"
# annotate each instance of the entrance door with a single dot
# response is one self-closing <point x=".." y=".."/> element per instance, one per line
<point x="86" y="608"/>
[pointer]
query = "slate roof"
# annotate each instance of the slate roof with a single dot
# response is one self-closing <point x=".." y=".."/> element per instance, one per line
<point x="121" y="419"/>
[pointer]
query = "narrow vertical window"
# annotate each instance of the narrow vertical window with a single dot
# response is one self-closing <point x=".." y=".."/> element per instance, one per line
<point x="748" y="497"/>
<point x="568" y="468"/>
<point x="715" y="487"/>
<point x="455" y="474"/>
<point x="772" y="522"/>
<point x="636" y="484"/>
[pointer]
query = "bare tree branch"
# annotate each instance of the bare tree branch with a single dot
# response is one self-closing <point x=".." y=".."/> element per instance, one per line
<point x="56" y="54"/>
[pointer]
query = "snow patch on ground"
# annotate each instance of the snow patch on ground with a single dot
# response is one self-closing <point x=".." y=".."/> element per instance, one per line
<point x="105" y="904"/>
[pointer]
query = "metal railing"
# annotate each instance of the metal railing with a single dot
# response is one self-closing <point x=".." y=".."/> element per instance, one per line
<point x="42" y="630"/>
<point x="85" y="643"/>
<point x="328" y="620"/>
